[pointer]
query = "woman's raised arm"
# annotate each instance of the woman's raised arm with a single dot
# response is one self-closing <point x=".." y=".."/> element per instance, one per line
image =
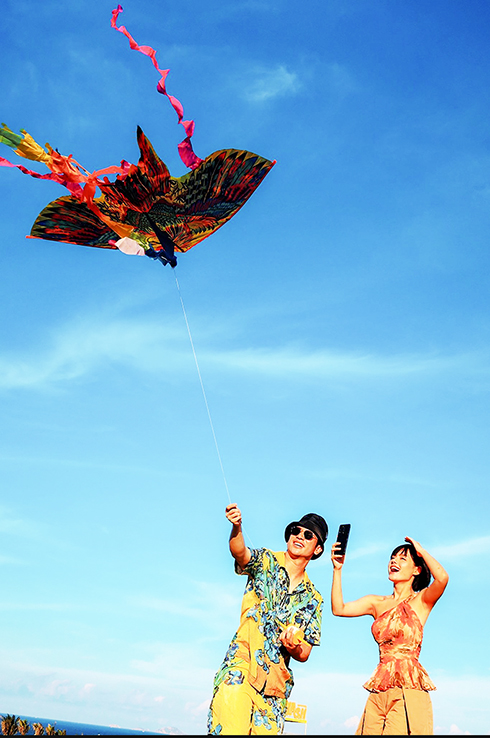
<point x="354" y="609"/>
<point x="431" y="594"/>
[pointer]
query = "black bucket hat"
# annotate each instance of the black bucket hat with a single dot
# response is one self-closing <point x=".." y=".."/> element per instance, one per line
<point x="316" y="524"/>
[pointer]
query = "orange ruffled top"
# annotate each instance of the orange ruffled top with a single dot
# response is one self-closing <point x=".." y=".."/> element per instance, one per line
<point x="398" y="633"/>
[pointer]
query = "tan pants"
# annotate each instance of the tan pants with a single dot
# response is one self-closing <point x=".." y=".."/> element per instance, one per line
<point x="398" y="711"/>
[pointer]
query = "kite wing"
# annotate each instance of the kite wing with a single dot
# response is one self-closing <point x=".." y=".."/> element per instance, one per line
<point x="211" y="194"/>
<point x="70" y="220"/>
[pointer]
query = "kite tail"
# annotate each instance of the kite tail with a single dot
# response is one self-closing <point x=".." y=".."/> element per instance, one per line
<point x="64" y="169"/>
<point x="23" y="145"/>
<point x="185" y="147"/>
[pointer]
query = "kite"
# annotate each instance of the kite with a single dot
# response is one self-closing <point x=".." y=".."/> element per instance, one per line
<point x="144" y="211"/>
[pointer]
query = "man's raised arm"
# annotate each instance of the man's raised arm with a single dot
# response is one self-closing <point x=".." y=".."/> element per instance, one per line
<point x="239" y="551"/>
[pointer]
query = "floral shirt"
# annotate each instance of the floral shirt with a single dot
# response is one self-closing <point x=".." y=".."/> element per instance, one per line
<point x="256" y="653"/>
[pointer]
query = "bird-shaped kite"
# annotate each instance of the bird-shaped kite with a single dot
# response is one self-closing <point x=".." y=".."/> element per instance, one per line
<point x="145" y="210"/>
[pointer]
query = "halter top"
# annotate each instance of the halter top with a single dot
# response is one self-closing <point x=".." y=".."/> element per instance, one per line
<point x="398" y="633"/>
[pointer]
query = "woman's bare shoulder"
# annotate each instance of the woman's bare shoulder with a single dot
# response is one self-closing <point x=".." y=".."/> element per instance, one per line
<point x="382" y="603"/>
<point x="374" y="603"/>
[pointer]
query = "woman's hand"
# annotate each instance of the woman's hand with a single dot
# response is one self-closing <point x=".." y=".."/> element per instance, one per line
<point x="337" y="560"/>
<point x="419" y="549"/>
<point x="430" y="594"/>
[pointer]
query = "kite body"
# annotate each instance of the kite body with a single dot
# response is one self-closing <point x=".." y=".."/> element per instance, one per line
<point x="145" y="210"/>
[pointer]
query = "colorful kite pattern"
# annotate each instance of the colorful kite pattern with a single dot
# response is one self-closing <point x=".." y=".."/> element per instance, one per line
<point x="145" y="210"/>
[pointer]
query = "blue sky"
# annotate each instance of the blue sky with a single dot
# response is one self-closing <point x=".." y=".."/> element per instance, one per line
<point x="342" y="325"/>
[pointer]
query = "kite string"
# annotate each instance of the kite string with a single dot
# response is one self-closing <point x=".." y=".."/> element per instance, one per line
<point x="203" y="390"/>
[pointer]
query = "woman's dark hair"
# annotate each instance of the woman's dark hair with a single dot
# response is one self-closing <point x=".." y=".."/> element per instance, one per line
<point x="422" y="580"/>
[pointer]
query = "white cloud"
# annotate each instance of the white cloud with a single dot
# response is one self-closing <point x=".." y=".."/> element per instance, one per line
<point x="9" y="560"/>
<point x="360" y="553"/>
<point x="356" y="553"/>
<point x="87" y="690"/>
<point x="82" y="347"/>
<point x="271" y="83"/>
<point x="454" y="730"/>
<point x="200" y="709"/>
<point x="352" y="722"/>
<point x="12" y="525"/>
<point x="56" y="688"/>
<point x="177" y="692"/>
<point x="471" y="547"/>
<point x="366" y="475"/>
<point x="200" y="607"/>
<point x="291" y="360"/>
<point x="35" y="606"/>
<point x="174" y="695"/>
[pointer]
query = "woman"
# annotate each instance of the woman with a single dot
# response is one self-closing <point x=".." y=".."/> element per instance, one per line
<point x="399" y="703"/>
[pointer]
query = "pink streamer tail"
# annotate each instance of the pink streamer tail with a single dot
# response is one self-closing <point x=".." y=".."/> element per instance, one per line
<point x="185" y="147"/>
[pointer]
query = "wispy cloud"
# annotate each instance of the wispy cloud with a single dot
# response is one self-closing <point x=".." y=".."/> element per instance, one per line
<point x="352" y="722"/>
<point x="35" y="606"/>
<point x="11" y="524"/>
<point x="266" y="84"/>
<point x="79" y="348"/>
<point x="292" y="360"/>
<point x="82" y="347"/>
<point x="200" y="604"/>
<point x="355" y="553"/>
<point x="464" y="549"/>
<point x="6" y="560"/>
<point x="454" y="730"/>
<point x="365" y="475"/>
<point x="360" y="553"/>
<point x="134" y="698"/>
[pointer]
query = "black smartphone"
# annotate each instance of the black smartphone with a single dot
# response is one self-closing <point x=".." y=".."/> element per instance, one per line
<point x="342" y="538"/>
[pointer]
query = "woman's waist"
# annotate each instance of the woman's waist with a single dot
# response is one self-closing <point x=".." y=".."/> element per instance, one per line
<point x="402" y="672"/>
<point x="389" y="652"/>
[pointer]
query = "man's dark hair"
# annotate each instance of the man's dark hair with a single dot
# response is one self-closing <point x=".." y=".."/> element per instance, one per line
<point x="422" y="580"/>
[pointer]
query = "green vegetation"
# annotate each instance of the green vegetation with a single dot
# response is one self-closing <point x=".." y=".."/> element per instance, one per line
<point x="12" y="725"/>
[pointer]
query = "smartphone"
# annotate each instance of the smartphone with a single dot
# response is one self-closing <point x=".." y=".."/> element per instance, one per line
<point x="342" y="538"/>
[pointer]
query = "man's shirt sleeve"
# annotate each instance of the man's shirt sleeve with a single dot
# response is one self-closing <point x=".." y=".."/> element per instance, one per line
<point x="313" y="625"/>
<point x="253" y="565"/>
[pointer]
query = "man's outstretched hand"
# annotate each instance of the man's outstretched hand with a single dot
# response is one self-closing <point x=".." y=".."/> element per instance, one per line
<point x="233" y="514"/>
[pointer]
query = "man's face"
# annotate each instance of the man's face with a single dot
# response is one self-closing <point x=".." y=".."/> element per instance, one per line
<point x="302" y="542"/>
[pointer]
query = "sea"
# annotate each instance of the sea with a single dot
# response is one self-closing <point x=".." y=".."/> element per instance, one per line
<point x="88" y="729"/>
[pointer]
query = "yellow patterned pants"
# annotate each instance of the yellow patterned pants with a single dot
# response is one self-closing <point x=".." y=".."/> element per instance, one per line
<point x="238" y="709"/>
<point x="398" y="711"/>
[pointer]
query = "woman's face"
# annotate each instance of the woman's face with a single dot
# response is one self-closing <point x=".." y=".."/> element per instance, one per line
<point x="402" y="568"/>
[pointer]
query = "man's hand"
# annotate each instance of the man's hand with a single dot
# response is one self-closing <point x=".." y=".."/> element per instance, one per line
<point x="292" y="638"/>
<point x="233" y="514"/>
<point x="238" y="549"/>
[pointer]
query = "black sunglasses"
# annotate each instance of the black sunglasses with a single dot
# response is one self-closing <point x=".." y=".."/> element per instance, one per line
<point x="296" y="530"/>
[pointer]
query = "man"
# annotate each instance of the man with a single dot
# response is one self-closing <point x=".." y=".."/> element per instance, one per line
<point x="280" y="619"/>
